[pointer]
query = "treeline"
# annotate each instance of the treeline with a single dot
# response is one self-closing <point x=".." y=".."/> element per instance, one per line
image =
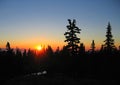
<point x="72" y="59"/>
<point x="15" y="62"/>
<point x="97" y="64"/>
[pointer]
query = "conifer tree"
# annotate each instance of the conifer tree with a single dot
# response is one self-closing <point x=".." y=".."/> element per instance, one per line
<point x="93" y="46"/>
<point x="71" y="37"/>
<point x="8" y="48"/>
<point x="102" y="48"/>
<point x="49" y="51"/>
<point x="119" y="48"/>
<point x="82" y="48"/>
<point x="109" y="42"/>
<point x="24" y="53"/>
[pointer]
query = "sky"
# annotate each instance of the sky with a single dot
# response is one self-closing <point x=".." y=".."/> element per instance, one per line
<point x="27" y="23"/>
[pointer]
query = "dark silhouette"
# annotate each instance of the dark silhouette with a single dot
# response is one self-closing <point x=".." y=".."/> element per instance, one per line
<point x="24" y="53"/>
<point x="119" y="48"/>
<point x="59" y="67"/>
<point x="82" y="49"/>
<point x="109" y="42"/>
<point x="93" y="46"/>
<point x="8" y="46"/>
<point x="71" y="37"/>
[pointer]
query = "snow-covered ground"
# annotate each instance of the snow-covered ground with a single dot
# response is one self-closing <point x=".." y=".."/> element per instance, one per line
<point x="41" y="78"/>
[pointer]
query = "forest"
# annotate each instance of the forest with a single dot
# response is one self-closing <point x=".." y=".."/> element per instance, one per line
<point x="72" y="60"/>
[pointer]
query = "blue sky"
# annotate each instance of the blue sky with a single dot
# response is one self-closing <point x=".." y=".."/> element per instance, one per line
<point x="26" y="23"/>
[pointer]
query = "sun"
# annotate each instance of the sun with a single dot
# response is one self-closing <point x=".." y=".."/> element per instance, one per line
<point x="39" y="48"/>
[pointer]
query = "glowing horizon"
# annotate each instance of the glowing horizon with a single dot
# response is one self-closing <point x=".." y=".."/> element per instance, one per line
<point x="27" y="23"/>
<point x="54" y="47"/>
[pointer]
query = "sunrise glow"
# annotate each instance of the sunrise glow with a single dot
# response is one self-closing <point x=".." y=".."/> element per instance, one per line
<point x="39" y="47"/>
<point x="29" y="24"/>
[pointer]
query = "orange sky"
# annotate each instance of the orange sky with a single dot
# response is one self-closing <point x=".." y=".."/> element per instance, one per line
<point x="32" y="45"/>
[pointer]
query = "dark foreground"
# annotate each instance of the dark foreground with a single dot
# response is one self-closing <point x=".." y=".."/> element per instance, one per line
<point x="57" y="79"/>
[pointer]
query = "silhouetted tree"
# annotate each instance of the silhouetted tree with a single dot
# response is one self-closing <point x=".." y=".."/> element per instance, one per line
<point x="71" y="36"/>
<point x="9" y="50"/>
<point x="24" y="53"/>
<point x="119" y="48"/>
<point x="49" y="51"/>
<point x="18" y="52"/>
<point x="57" y="51"/>
<point x="109" y="42"/>
<point x="30" y="53"/>
<point x="8" y="46"/>
<point x="102" y="47"/>
<point x="65" y="52"/>
<point x="82" y="49"/>
<point x="93" y="46"/>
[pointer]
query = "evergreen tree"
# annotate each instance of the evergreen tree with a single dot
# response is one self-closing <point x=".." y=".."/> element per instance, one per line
<point x="93" y="46"/>
<point x="71" y="37"/>
<point x="109" y="42"/>
<point x="8" y="48"/>
<point x="119" y="48"/>
<point x="18" y="52"/>
<point x="24" y="53"/>
<point x="102" y="48"/>
<point x="57" y="50"/>
<point x="49" y="51"/>
<point x="82" y="49"/>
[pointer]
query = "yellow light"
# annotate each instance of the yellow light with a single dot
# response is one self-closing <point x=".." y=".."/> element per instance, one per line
<point x="39" y="48"/>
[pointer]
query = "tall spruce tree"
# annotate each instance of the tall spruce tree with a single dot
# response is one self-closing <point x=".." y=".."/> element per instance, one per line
<point x="71" y="37"/>
<point x="109" y="42"/>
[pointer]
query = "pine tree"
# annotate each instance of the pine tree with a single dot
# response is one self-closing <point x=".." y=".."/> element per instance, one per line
<point x="109" y="42"/>
<point x="8" y="48"/>
<point x="119" y="48"/>
<point x="49" y="51"/>
<point x="93" y="46"/>
<point x="82" y="49"/>
<point x="102" y="48"/>
<point x="71" y="36"/>
<point x="24" y="53"/>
